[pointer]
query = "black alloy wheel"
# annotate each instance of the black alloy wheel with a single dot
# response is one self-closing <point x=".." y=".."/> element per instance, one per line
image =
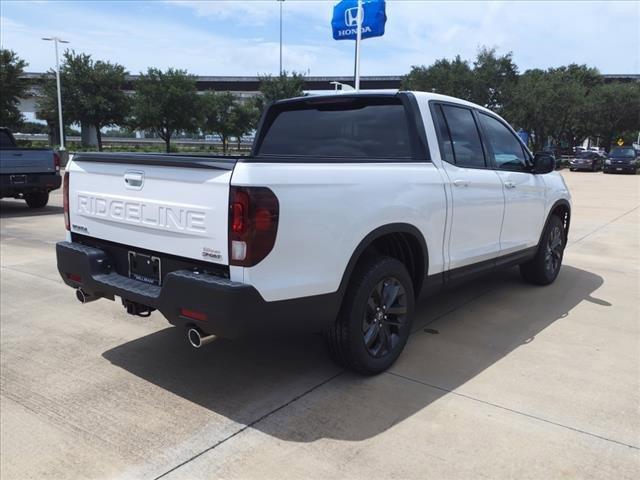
<point x="384" y="317"/>
<point x="545" y="266"/>
<point x="374" y="322"/>
<point x="553" y="251"/>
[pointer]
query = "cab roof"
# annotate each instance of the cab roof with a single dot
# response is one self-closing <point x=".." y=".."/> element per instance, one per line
<point x="424" y="96"/>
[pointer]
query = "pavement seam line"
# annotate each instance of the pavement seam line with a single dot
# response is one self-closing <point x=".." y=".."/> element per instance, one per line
<point x="597" y="229"/>
<point x="517" y="412"/>
<point x="249" y="425"/>
<point x="29" y="273"/>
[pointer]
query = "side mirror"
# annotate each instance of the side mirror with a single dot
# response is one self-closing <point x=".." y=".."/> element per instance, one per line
<point x="543" y="163"/>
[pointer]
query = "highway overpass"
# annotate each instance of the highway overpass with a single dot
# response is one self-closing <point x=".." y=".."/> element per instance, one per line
<point x="245" y="87"/>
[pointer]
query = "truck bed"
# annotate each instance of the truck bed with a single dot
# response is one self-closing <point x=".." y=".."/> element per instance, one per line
<point x="26" y="160"/>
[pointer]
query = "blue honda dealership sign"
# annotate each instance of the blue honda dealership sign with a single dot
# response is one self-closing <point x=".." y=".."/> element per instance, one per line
<point x="345" y="19"/>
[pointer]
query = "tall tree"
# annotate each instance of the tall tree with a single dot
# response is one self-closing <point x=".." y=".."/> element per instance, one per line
<point x="617" y="111"/>
<point x="279" y="87"/>
<point x="12" y="88"/>
<point x="92" y="93"/>
<point x="244" y="118"/>
<point x="488" y="82"/>
<point x="166" y="103"/>
<point x="494" y="79"/>
<point x="448" y="77"/>
<point x="47" y="107"/>
<point x="554" y="104"/>
<point x="218" y="115"/>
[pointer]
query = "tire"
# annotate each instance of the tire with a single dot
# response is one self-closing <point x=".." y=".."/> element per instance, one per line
<point x="545" y="266"/>
<point x="37" y="199"/>
<point x="369" y="335"/>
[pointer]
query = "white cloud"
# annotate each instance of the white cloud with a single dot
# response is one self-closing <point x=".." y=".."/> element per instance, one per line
<point x="540" y="34"/>
<point x="137" y="44"/>
<point x="257" y="12"/>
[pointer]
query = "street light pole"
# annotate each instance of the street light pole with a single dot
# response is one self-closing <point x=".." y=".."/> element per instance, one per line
<point x="57" y="40"/>
<point x="281" y="2"/>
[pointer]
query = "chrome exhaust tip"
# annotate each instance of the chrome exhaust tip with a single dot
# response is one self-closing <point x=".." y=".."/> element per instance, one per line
<point x="197" y="339"/>
<point x="84" y="297"/>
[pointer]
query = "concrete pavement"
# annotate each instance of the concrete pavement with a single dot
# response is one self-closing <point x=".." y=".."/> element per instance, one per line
<point x="500" y="379"/>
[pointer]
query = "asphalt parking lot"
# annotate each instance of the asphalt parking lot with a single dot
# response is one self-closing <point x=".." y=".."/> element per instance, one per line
<point x="499" y="380"/>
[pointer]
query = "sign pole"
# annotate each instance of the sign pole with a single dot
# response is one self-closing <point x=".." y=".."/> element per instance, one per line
<point x="358" y="41"/>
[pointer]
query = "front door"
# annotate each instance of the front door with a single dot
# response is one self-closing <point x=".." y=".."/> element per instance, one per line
<point x="524" y="192"/>
<point x="476" y="190"/>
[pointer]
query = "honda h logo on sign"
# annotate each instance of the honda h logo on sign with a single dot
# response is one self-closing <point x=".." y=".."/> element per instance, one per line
<point x="351" y="16"/>
<point x="345" y="19"/>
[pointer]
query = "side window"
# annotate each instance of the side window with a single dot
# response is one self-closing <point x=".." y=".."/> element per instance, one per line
<point x="507" y="150"/>
<point x="465" y="139"/>
<point x="446" y="148"/>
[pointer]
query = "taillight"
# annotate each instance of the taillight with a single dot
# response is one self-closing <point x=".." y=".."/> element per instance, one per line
<point x="74" y="277"/>
<point x="65" y="200"/>
<point x="253" y="224"/>
<point x="56" y="161"/>
<point x="193" y="314"/>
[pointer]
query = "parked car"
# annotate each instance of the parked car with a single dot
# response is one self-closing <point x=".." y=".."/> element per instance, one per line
<point x="622" y="160"/>
<point x="589" y="160"/>
<point x="350" y="207"/>
<point x="27" y="173"/>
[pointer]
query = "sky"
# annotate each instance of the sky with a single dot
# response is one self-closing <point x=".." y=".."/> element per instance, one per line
<point x="233" y="37"/>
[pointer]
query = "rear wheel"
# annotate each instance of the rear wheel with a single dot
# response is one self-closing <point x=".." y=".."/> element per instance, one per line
<point x="545" y="266"/>
<point x="374" y="322"/>
<point x="37" y="199"/>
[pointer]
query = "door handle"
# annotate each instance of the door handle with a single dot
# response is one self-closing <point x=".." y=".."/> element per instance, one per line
<point x="134" y="179"/>
<point x="461" y="183"/>
<point x="509" y="185"/>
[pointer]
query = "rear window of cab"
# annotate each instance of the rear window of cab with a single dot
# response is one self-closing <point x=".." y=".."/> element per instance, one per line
<point x="357" y="128"/>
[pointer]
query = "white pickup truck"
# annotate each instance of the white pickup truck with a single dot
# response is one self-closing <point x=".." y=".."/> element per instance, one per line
<point x="349" y="208"/>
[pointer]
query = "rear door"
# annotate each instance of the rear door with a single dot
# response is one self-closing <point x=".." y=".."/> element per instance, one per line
<point x="524" y="192"/>
<point x="172" y="205"/>
<point x="476" y="189"/>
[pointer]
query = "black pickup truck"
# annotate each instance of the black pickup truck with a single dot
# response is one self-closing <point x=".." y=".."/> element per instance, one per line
<point x="27" y="173"/>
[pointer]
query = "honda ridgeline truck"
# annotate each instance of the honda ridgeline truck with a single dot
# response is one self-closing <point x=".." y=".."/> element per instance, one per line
<point x="349" y="208"/>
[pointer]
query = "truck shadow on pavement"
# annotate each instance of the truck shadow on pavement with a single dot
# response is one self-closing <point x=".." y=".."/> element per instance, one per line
<point x="290" y="389"/>
<point x="19" y="208"/>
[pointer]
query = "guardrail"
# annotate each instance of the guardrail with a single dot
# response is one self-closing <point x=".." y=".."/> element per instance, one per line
<point x="245" y="143"/>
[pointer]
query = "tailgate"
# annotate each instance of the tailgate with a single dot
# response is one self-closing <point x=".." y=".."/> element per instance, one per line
<point x="163" y="205"/>
<point x="18" y="160"/>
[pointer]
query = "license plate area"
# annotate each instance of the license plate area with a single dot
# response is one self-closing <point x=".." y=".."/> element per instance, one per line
<point x="145" y="268"/>
<point x="18" y="179"/>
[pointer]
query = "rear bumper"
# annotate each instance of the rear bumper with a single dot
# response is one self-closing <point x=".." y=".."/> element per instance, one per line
<point x="232" y="309"/>
<point x="14" y="184"/>
<point x="621" y="168"/>
<point x="581" y="166"/>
